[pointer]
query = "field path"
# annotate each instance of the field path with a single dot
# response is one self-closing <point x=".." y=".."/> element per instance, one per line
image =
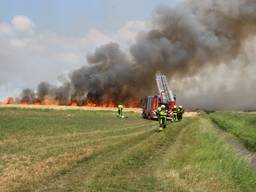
<point x="237" y="145"/>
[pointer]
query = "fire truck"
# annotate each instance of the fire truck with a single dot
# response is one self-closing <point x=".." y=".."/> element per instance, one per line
<point x="165" y="97"/>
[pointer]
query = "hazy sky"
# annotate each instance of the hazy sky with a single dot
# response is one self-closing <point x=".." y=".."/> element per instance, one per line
<point x="44" y="39"/>
<point x="78" y="16"/>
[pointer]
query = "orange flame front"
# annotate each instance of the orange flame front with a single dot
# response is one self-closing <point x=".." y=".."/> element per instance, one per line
<point x="8" y="100"/>
<point x="37" y="102"/>
<point x="133" y="104"/>
<point x="89" y="104"/>
<point x="109" y="104"/>
<point x="48" y="101"/>
<point x="73" y="103"/>
<point x="24" y="103"/>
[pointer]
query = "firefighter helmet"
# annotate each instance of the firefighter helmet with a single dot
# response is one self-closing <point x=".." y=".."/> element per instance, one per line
<point x="162" y="106"/>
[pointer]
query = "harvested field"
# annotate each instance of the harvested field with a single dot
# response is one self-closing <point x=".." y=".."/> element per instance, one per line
<point x="81" y="150"/>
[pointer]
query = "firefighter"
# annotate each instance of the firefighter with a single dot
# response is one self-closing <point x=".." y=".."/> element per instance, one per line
<point x="175" y="113"/>
<point x="120" y="111"/>
<point x="158" y="113"/>
<point x="180" y="112"/>
<point x="163" y="117"/>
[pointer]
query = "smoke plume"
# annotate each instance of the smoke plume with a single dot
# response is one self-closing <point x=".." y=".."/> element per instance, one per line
<point x="184" y="43"/>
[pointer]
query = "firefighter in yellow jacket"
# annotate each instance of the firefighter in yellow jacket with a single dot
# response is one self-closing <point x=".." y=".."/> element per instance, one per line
<point x="120" y="111"/>
<point x="175" y="113"/>
<point x="163" y="117"/>
<point x="180" y="113"/>
<point x="158" y="113"/>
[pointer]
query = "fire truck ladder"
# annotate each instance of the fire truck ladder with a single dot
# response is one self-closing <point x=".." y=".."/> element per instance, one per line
<point x="163" y="88"/>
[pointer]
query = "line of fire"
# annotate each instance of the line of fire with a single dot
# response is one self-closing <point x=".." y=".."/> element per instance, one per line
<point x="149" y="104"/>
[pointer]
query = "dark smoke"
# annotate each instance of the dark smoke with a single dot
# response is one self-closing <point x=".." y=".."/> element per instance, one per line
<point x="28" y="96"/>
<point x="184" y="40"/>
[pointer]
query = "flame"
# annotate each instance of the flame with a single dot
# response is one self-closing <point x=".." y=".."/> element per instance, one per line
<point x="107" y="104"/>
<point x="73" y="103"/>
<point x="24" y="103"/>
<point x="50" y="102"/>
<point x="37" y="103"/>
<point x="110" y="104"/>
<point x="9" y="100"/>
<point x="90" y="104"/>
<point x="133" y="104"/>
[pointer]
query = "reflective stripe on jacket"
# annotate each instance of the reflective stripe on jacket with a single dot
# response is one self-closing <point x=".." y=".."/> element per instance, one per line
<point x="163" y="113"/>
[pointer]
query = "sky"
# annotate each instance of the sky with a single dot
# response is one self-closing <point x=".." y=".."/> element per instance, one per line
<point x="78" y="16"/>
<point x="43" y="40"/>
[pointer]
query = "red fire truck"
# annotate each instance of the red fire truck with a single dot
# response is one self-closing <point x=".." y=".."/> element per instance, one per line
<point x="150" y="104"/>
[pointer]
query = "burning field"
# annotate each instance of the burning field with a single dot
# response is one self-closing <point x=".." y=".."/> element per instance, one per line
<point x="51" y="103"/>
<point x="205" y="48"/>
<point x="55" y="104"/>
<point x="207" y="51"/>
<point x="74" y="107"/>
